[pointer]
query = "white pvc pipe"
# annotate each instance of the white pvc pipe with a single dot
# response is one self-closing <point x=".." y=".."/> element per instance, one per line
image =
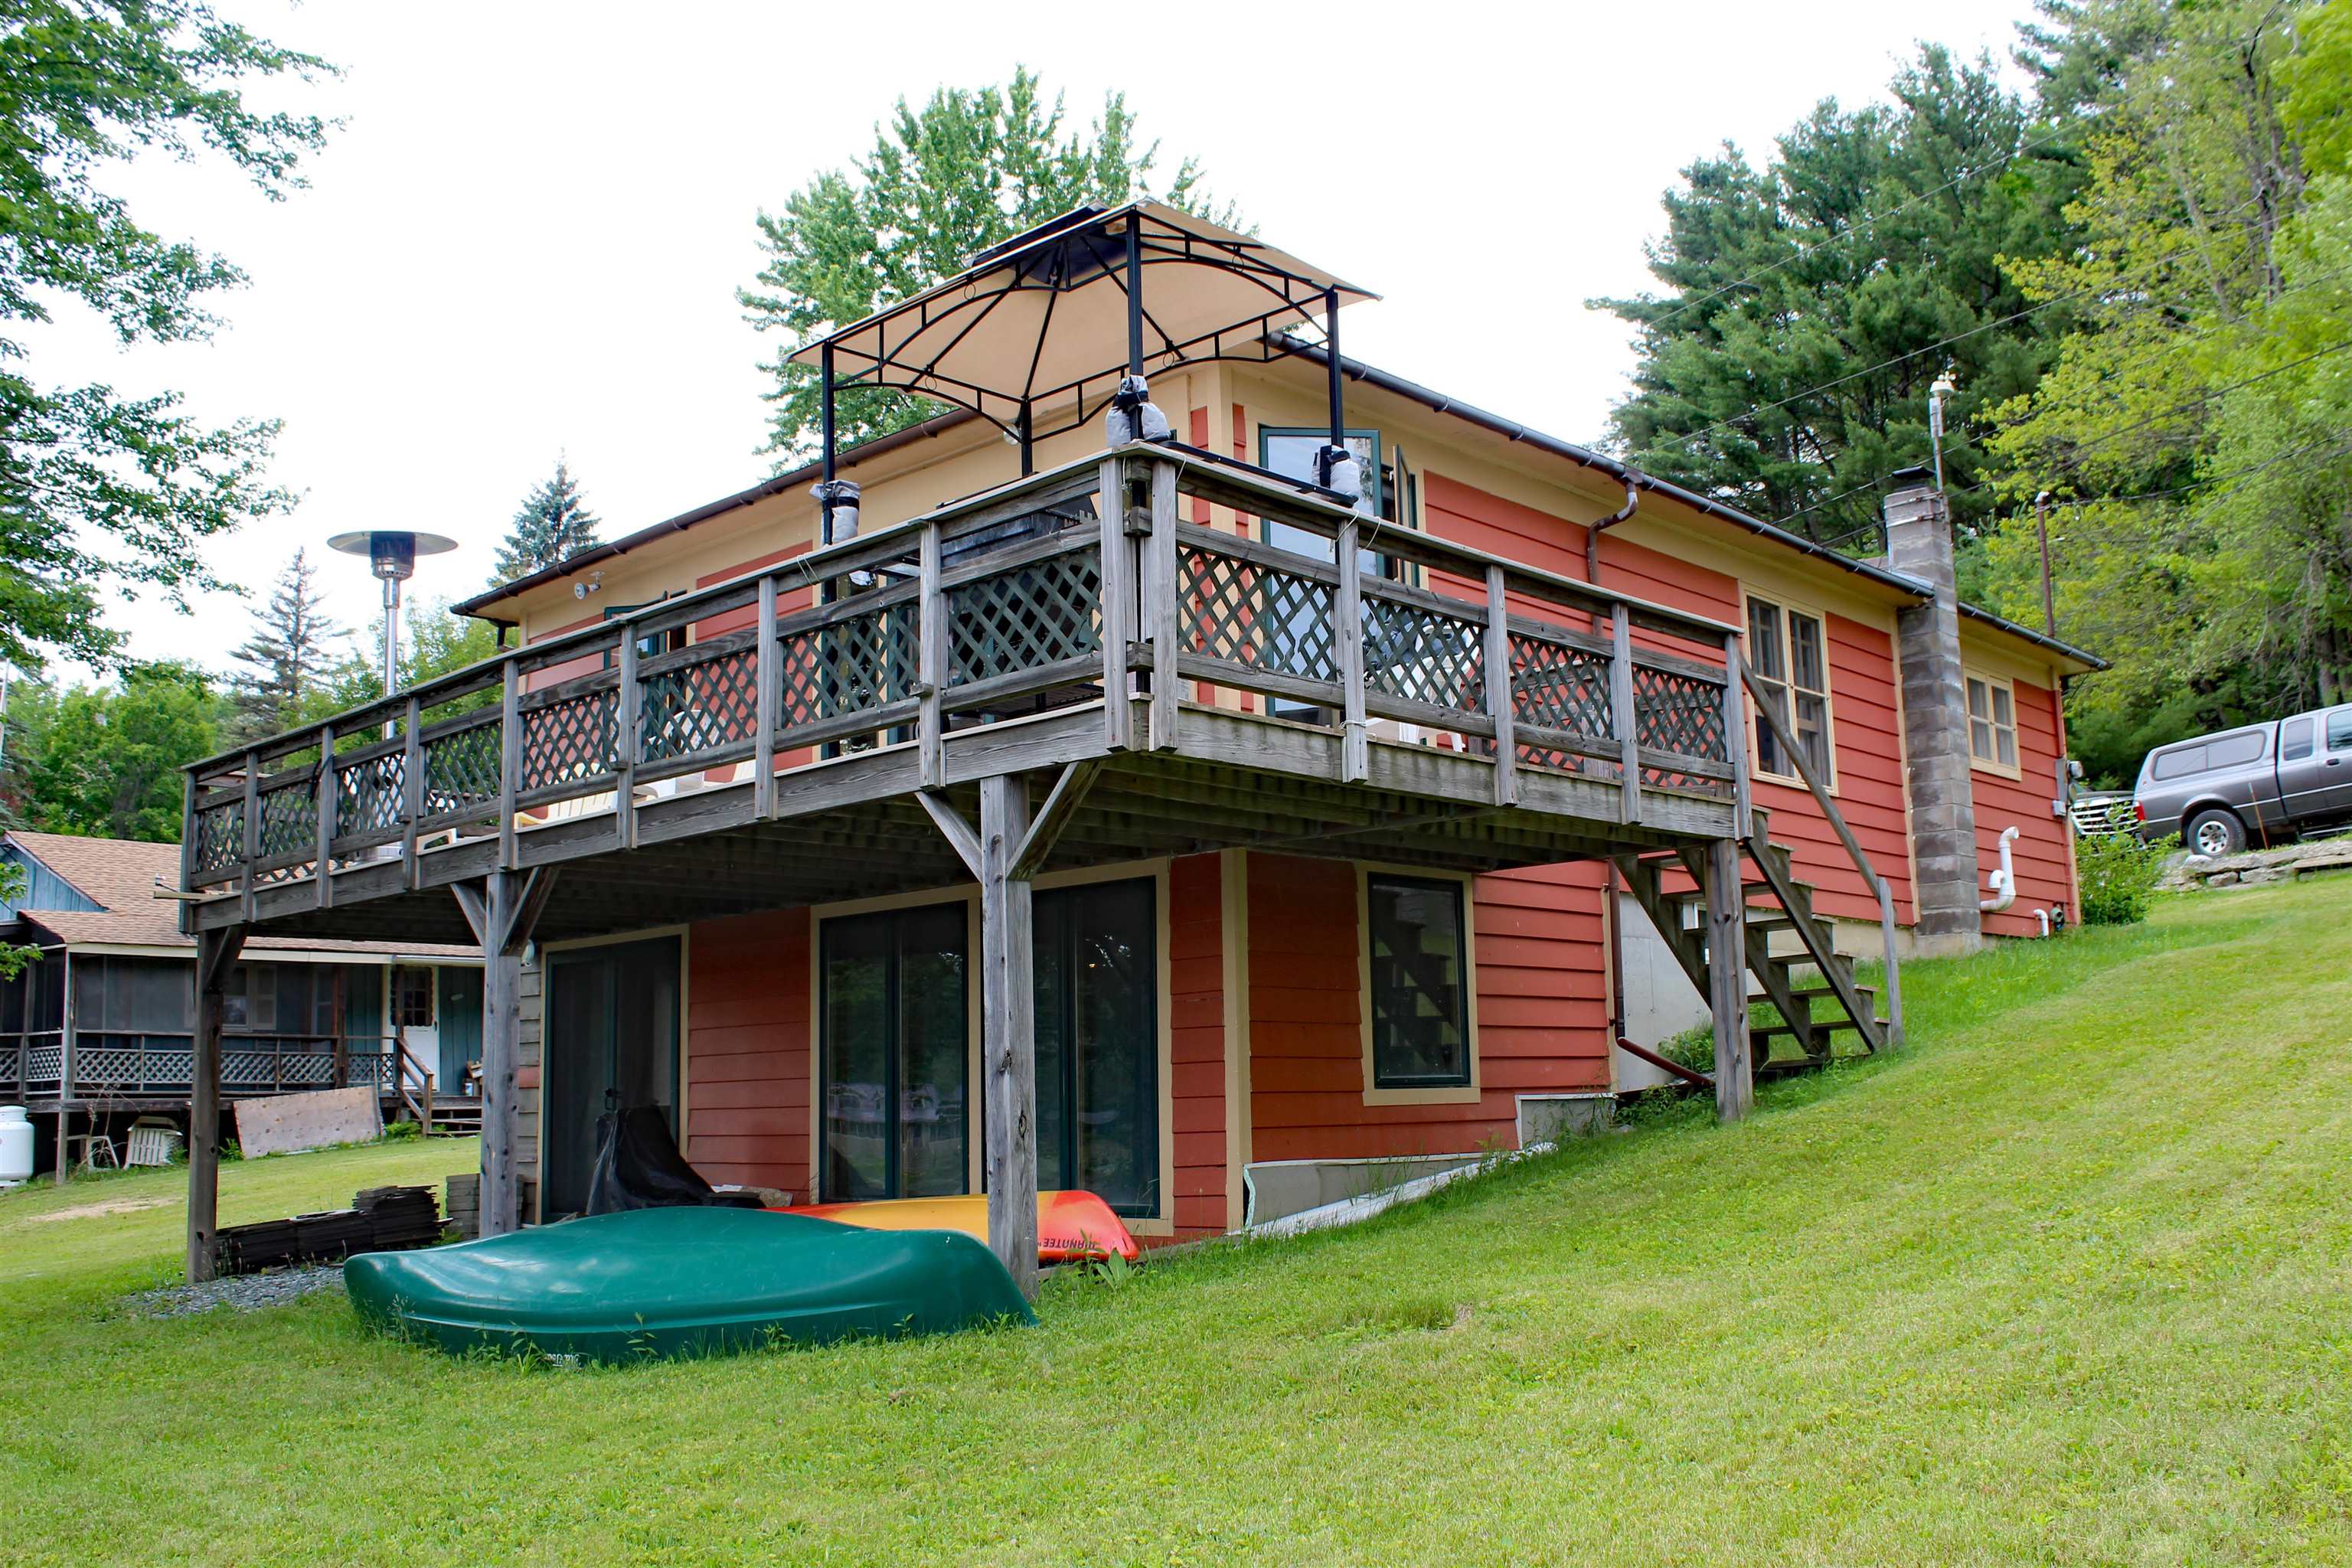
<point x="2003" y="879"/>
<point x="2043" y="916"/>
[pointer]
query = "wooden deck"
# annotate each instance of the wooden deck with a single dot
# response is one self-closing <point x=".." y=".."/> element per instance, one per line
<point x="1071" y="669"/>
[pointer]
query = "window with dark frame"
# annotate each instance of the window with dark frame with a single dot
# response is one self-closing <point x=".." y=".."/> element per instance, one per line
<point x="1420" y="992"/>
<point x="412" y="997"/>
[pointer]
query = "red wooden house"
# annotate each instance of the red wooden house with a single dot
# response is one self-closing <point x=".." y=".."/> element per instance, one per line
<point x="1322" y="770"/>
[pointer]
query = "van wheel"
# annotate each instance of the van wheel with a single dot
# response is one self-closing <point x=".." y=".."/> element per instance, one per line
<point x="2215" y="832"/>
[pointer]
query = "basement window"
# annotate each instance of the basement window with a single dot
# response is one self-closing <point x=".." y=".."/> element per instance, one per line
<point x="1419" y="983"/>
<point x="1992" y="723"/>
<point x="1787" y="649"/>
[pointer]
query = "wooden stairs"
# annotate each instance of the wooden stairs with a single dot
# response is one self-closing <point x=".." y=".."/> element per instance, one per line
<point x="1823" y="1014"/>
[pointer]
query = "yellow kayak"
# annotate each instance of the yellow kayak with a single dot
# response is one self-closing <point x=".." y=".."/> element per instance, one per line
<point x="1071" y="1226"/>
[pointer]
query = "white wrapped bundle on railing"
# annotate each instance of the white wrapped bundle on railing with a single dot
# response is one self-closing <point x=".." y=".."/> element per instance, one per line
<point x="837" y="501"/>
<point x="1133" y="415"/>
<point x="1343" y="473"/>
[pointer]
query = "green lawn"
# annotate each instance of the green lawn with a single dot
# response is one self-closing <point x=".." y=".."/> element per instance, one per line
<point x="2067" y="1282"/>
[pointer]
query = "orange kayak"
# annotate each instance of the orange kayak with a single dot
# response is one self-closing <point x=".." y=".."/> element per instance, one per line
<point x="1071" y="1226"/>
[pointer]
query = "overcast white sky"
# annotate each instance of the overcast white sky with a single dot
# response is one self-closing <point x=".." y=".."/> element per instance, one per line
<point x="527" y="236"/>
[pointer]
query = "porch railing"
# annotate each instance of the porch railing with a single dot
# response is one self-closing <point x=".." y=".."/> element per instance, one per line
<point x="1036" y="594"/>
<point x="131" y="1064"/>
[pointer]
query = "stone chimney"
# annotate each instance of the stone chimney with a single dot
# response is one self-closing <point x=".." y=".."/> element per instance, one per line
<point x="1935" y="720"/>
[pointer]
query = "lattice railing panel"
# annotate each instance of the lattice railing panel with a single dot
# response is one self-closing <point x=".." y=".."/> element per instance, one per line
<point x="576" y="738"/>
<point x="1424" y="655"/>
<point x="697" y="706"/>
<point x="1026" y="618"/>
<point x="461" y="768"/>
<point x="290" y="819"/>
<point x="1257" y="616"/>
<point x="1561" y="688"/>
<point x="43" y="1063"/>
<point x="220" y="836"/>
<point x="368" y="794"/>
<point x="1678" y="712"/>
<point x="850" y="667"/>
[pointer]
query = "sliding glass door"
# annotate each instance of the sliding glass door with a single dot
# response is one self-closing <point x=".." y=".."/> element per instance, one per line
<point x="894" y="1010"/>
<point x="1098" y="1042"/>
<point x="894" y="1014"/>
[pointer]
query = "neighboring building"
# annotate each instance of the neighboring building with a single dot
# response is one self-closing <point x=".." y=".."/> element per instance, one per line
<point x="98" y="1029"/>
<point x="1269" y="931"/>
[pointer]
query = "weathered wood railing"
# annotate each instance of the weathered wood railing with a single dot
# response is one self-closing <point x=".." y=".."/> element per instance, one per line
<point x="1033" y="595"/>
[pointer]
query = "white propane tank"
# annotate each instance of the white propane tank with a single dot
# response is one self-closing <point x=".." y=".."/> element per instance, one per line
<point x="16" y="1146"/>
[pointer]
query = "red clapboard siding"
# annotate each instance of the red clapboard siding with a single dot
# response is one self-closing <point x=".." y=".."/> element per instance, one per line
<point x="2041" y="854"/>
<point x="570" y="668"/>
<point x="747" y="1042"/>
<point x="1196" y="1045"/>
<point x="1543" y="1016"/>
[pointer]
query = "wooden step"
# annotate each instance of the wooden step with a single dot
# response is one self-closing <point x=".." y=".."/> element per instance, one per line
<point x="1800" y="993"/>
<point x="1761" y="1034"/>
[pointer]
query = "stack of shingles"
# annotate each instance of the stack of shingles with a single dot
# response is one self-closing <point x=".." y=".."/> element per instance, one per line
<point x="381" y="1219"/>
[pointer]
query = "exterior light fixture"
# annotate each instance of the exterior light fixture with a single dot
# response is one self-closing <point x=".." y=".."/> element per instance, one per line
<point x="392" y="559"/>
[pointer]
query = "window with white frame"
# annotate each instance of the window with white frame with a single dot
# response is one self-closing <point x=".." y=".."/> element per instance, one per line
<point x="1992" y="722"/>
<point x="1788" y="651"/>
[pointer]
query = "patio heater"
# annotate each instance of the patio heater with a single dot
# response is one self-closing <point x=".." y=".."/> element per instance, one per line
<point x="392" y="556"/>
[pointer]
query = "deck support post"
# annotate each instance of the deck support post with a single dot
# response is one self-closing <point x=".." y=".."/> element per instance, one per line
<point x="1008" y="1028"/>
<point x="503" y="908"/>
<point x="68" y="1067"/>
<point x="217" y="953"/>
<point x="1726" y="980"/>
<point x="1118" y="604"/>
<point x="1348" y="652"/>
<point x="1163" y="604"/>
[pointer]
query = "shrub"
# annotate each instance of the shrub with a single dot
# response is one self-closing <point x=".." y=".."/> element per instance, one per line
<point x="2119" y="874"/>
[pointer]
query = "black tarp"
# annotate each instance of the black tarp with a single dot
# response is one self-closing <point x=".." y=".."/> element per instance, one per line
<point x="638" y="1167"/>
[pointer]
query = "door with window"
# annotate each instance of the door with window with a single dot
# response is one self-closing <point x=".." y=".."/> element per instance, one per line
<point x="413" y="1019"/>
<point x="1097" y="961"/>
<point x="895" y="1037"/>
<point x="610" y="1039"/>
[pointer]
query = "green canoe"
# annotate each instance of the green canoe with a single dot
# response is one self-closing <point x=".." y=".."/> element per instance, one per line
<point x="669" y="1282"/>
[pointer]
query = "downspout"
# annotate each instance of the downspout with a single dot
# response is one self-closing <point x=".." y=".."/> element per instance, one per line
<point x="1593" y="533"/>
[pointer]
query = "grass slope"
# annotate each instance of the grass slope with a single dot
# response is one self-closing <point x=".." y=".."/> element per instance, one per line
<point x="2066" y="1282"/>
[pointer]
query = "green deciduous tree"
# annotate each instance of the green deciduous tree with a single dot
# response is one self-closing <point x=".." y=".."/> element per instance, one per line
<point x="968" y="169"/>
<point x="553" y="524"/>
<point x="1808" y="305"/>
<point x="293" y="645"/>
<point x="105" y="760"/>
<point x="2195" y="432"/>
<point x="96" y="488"/>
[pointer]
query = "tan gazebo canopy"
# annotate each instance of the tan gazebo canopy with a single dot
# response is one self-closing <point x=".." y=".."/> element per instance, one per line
<point x="1055" y="318"/>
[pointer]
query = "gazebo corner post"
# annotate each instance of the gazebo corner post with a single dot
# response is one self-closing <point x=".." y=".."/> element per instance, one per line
<point x="1008" y="1029"/>
<point x="825" y="415"/>
<point x="216" y="953"/>
<point x="1334" y="385"/>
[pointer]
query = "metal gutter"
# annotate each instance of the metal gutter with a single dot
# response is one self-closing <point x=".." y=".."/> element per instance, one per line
<point x="2039" y="639"/>
<point x="476" y="606"/>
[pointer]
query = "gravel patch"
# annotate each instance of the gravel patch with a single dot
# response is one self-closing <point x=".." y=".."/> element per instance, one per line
<point x="238" y="1292"/>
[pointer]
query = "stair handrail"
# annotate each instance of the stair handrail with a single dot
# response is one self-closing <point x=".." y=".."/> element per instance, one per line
<point x="1767" y="715"/>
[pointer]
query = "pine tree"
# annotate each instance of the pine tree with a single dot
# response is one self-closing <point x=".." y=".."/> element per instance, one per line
<point x="286" y="659"/>
<point x="1810" y="303"/>
<point x="554" y="525"/>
